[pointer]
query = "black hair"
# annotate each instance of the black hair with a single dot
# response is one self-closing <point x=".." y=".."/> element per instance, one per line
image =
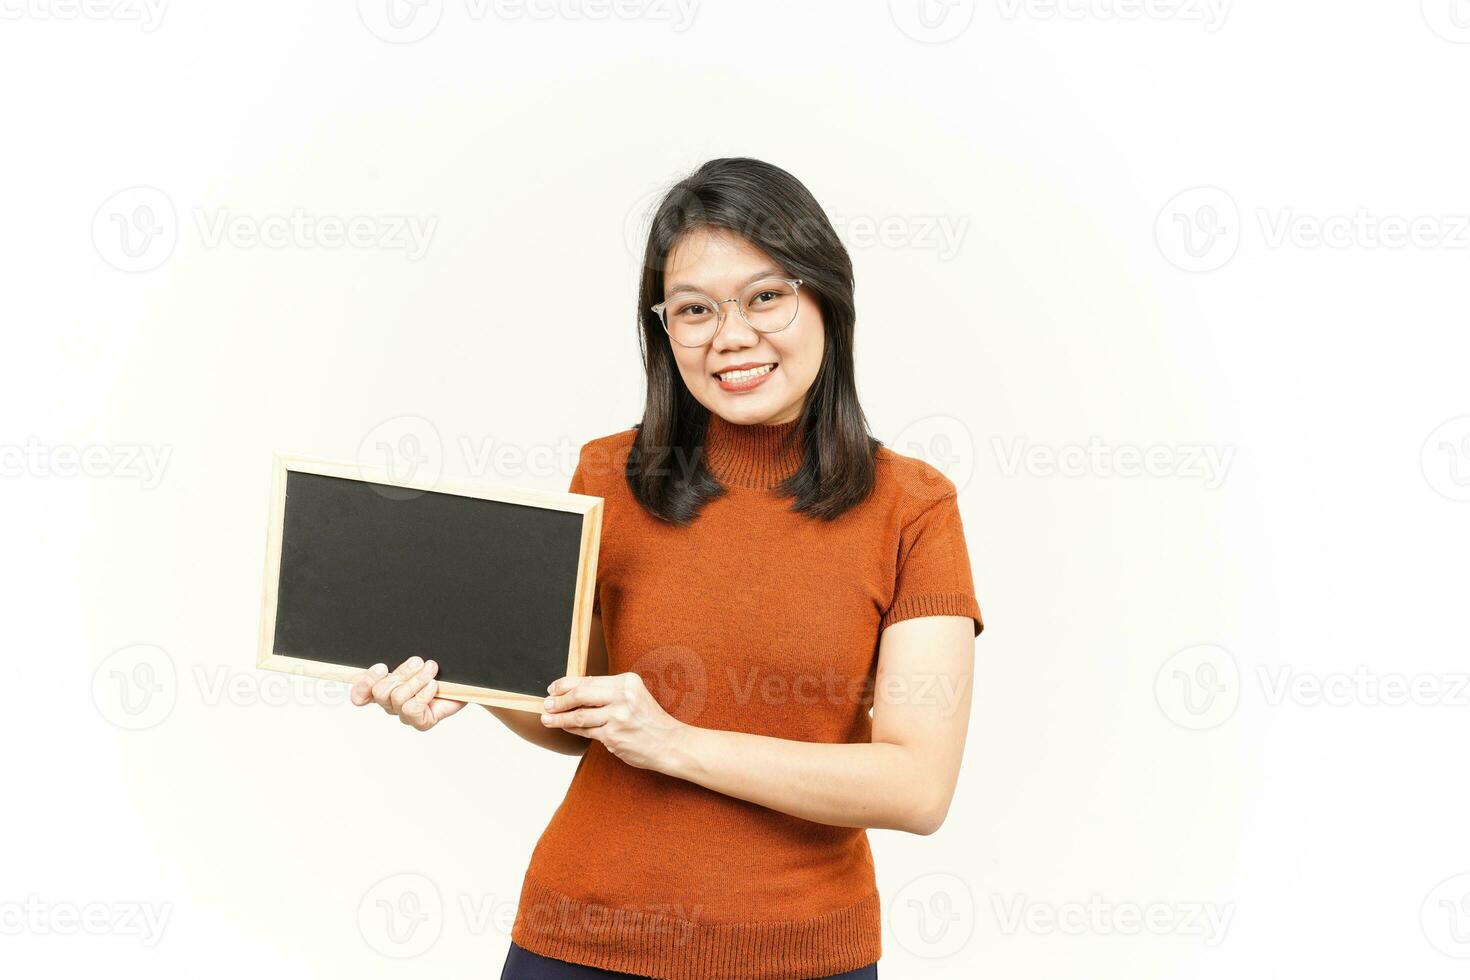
<point x="777" y="214"/>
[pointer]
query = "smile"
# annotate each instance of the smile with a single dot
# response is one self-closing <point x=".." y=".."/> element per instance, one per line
<point x="746" y="374"/>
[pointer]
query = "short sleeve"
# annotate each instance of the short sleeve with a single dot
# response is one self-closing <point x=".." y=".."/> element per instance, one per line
<point x="934" y="577"/>
<point x="578" y="484"/>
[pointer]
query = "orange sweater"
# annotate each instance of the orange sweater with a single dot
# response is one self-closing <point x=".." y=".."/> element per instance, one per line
<point x="753" y="619"/>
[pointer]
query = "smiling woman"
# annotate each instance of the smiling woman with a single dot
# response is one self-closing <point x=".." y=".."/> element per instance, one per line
<point x="782" y="635"/>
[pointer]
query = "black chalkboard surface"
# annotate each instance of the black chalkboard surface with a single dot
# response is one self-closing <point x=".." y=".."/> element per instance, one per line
<point x="492" y="582"/>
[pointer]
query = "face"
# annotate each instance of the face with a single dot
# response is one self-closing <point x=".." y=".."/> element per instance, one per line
<point x="720" y="264"/>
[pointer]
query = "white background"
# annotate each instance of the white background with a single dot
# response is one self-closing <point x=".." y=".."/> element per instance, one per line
<point x="1231" y="701"/>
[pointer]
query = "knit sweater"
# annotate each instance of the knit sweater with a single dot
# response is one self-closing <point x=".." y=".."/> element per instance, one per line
<point x="754" y="618"/>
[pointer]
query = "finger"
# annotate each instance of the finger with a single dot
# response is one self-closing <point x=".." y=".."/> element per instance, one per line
<point x="576" y="718"/>
<point x="415" y="711"/>
<point x="385" y="686"/>
<point x="588" y="682"/>
<point x="431" y="714"/>
<point x="421" y="712"/>
<point x="362" y="684"/>
<point x="400" y="694"/>
<point x="578" y="692"/>
<point x="444" y="707"/>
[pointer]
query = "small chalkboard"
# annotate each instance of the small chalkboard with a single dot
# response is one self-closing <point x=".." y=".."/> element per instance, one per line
<point x="494" y="583"/>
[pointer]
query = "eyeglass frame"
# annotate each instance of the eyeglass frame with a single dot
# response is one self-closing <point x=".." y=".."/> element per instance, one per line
<point x="719" y="308"/>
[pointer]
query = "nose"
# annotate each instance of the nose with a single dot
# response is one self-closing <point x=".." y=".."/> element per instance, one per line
<point x="743" y="335"/>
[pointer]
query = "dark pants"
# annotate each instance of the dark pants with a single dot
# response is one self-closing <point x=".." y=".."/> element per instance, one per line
<point x="522" y="964"/>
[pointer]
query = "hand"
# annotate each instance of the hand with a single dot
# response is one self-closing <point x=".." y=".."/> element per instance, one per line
<point x="407" y="692"/>
<point x="619" y="712"/>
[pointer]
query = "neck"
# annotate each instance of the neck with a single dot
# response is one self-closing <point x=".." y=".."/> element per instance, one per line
<point x="758" y="456"/>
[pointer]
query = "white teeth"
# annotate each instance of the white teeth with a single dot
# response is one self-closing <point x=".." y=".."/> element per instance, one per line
<point x="742" y="375"/>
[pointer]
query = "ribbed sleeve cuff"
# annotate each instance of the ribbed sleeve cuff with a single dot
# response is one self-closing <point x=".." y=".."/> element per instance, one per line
<point x="933" y="604"/>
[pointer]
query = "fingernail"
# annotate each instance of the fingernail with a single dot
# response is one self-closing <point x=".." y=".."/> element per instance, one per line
<point x="414" y="663"/>
<point x="545" y="719"/>
<point x="550" y="702"/>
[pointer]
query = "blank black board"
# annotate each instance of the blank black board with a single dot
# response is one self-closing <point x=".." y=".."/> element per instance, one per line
<point x="371" y="573"/>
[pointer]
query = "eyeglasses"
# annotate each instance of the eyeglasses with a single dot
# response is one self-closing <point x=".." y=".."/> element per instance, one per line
<point x="692" y="319"/>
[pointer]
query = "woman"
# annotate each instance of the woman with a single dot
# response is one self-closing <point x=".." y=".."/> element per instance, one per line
<point x="768" y="572"/>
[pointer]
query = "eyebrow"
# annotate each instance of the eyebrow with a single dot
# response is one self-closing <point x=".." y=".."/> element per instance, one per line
<point x="684" y="287"/>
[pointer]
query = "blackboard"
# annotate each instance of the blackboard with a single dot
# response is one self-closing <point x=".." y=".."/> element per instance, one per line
<point x="495" y="583"/>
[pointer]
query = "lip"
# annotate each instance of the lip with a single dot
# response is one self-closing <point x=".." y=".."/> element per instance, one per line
<point x="749" y="383"/>
<point x="742" y="367"/>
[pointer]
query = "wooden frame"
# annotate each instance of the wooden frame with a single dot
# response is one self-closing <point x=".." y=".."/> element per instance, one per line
<point x="588" y="506"/>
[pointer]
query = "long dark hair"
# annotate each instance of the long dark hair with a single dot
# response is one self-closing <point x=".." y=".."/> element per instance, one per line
<point x="777" y="214"/>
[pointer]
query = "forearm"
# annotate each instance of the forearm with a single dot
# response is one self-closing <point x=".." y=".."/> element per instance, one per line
<point x="527" y="724"/>
<point x="859" y="784"/>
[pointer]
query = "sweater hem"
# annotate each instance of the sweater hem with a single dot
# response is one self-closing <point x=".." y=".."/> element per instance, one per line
<point x="670" y="942"/>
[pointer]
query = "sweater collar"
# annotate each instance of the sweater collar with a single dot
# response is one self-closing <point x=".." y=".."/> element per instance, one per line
<point x="758" y="456"/>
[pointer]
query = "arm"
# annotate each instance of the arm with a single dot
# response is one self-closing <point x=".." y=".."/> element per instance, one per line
<point x="528" y="725"/>
<point x="903" y="779"/>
